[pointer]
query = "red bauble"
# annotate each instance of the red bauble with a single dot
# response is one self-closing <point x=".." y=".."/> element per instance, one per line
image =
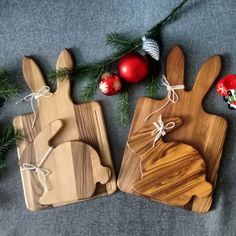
<point x="110" y="84"/>
<point x="225" y="84"/>
<point x="133" y="67"/>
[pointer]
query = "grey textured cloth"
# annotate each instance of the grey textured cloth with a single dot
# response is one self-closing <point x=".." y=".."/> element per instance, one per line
<point x="43" y="29"/>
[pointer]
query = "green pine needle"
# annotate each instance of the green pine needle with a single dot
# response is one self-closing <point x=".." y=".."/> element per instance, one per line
<point x="119" y="41"/>
<point x="60" y="74"/>
<point x="4" y="75"/>
<point x="123" y="45"/>
<point x="123" y="107"/>
<point x="8" y="140"/>
<point x="173" y="16"/>
<point x="6" y="89"/>
<point x="90" y="90"/>
<point x="8" y="137"/>
<point x="153" y="81"/>
<point x="152" y="87"/>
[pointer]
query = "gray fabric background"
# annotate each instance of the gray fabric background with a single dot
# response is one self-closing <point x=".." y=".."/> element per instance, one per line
<point x="43" y="29"/>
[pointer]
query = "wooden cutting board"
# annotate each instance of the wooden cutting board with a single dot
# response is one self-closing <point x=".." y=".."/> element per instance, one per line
<point x="82" y="122"/>
<point x="171" y="172"/>
<point x="73" y="162"/>
<point x="204" y="131"/>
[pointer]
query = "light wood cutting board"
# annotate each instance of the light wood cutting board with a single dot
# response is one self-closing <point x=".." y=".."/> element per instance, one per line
<point x="204" y="131"/>
<point x="83" y="122"/>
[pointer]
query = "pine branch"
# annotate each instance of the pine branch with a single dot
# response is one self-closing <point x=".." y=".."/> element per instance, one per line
<point x="8" y="140"/>
<point x="6" y="89"/>
<point x="152" y="87"/>
<point x="9" y="136"/>
<point x="173" y="15"/>
<point x="90" y="90"/>
<point x="119" y="41"/>
<point x="88" y="70"/>
<point x="60" y="74"/>
<point x="123" y="106"/>
<point x="4" y="75"/>
<point x="153" y="82"/>
<point x="123" y="45"/>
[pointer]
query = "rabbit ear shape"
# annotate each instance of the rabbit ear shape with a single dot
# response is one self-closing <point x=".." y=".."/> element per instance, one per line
<point x="206" y="76"/>
<point x="32" y="74"/>
<point x="175" y="66"/>
<point x="64" y="61"/>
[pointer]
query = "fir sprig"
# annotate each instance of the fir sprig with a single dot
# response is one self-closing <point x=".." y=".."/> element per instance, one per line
<point x="123" y="45"/>
<point x="91" y="89"/>
<point x="153" y="83"/>
<point x="119" y="41"/>
<point x="123" y="105"/>
<point x="6" y="89"/>
<point x="152" y="86"/>
<point x="9" y="136"/>
<point x="8" y="140"/>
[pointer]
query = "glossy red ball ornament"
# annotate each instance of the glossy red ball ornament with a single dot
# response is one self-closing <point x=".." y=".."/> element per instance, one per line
<point x="110" y="84"/>
<point x="133" y="67"/>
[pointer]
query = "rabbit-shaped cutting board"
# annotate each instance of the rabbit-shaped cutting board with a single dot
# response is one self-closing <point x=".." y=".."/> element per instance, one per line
<point x="82" y="122"/>
<point x="204" y="131"/>
<point x="74" y="167"/>
<point x="171" y="172"/>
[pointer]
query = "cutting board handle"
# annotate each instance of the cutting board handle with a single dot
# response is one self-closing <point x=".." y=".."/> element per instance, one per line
<point x="175" y="66"/>
<point x="64" y="60"/>
<point x="34" y="77"/>
<point x="206" y="77"/>
<point x="32" y="74"/>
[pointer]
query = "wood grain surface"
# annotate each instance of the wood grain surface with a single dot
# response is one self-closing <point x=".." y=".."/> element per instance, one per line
<point x="204" y="131"/>
<point x="82" y="122"/>
<point x="73" y="168"/>
<point x="171" y="172"/>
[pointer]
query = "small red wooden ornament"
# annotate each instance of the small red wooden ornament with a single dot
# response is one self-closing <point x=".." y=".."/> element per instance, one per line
<point x="110" y="84"/>
<point x="227" y="83"/>
<point x="133" y="67"/>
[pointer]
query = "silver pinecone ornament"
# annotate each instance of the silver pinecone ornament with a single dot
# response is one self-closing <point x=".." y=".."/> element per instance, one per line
<point x="151" y="47"/>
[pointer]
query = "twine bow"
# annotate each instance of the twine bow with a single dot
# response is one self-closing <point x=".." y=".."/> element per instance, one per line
<point x="43" y="92"/>
<point x="171" y="94"/>
<point x="160" y="129"/>
<point x="38" y="169"/>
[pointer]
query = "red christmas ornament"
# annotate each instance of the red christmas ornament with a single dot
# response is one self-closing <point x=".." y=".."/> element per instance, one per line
<point x="226" y="84"/>
<point x="133" y="67"/>
<point x="110" y="84"/>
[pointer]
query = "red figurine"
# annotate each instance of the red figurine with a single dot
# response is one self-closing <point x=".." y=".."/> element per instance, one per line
<point x="226" y="87"/>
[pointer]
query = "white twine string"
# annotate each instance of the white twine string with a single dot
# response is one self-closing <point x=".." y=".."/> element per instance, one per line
<point x="38" y="169"/>
<point x="171" y="94"/>
<point x="43" y="92"/>
<point x="160" y="129"/>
